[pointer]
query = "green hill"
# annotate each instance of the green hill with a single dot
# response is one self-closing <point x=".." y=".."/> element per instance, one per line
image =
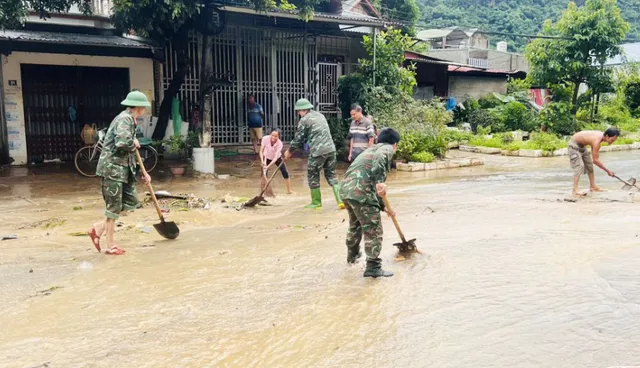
<point x="509" y="16"/>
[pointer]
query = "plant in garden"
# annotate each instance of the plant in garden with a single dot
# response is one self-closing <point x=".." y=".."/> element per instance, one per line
<point x="516" y="116"/>
<point x="558" y="118"/>
<point x="486" y="118"/>
<point x="423" y="156"/>
<point x="590" y="35"/>
<point x="393" y="83"/>
<point x="545" y="141"/>
<point x="339" y="130"/>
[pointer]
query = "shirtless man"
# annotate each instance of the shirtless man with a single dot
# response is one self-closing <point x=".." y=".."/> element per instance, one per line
<point x="581" y="161"/>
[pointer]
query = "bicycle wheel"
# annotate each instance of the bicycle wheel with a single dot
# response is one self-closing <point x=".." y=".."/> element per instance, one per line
<point x="86" y="160"/>
<point x="149" y="157"/>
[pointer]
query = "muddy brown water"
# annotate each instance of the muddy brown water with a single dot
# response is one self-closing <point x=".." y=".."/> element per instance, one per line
<point x="511" y="276"/>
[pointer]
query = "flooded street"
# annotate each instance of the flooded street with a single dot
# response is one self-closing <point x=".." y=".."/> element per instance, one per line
<point x="511" y="275"/>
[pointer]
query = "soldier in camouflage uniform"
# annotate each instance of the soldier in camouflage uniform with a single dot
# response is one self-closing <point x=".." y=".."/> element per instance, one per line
<point x="313" y="128"/>
<point x="361" y="188"/>
<point x="117" y="167"/>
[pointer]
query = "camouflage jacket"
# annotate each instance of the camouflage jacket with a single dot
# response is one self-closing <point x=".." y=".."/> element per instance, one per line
<point x="117" y="160"/>
<point x="313" y="129"/>
<point x="367" y="170"/>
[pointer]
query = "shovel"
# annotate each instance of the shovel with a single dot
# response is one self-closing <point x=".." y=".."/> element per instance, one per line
<point x="628" y="184"/>
<point x="264" y="186"/>
<point x="404" y="246"/>
<point x="168" y="230"/>
<point x="260" y="198"/>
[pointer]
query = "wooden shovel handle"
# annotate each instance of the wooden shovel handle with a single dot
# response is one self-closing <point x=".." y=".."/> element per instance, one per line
<point x="153" y="195"/>
<point x="395" y="222"/>
<point x="271" y="178"/>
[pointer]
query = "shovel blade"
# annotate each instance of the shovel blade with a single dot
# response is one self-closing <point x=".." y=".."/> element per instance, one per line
<point x="408" y="246"/>
<point x="253" y="201"/>
<point x="168" y="230"/>
<point x="626" y="187"/>
<point x="632" y="181"/>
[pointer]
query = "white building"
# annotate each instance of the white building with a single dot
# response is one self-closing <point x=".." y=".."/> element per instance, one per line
<point x="58" y="74"/>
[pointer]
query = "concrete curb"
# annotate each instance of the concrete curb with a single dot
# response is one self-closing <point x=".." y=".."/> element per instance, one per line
<point x="440" y="165"/>
<point x="541" y="153"/>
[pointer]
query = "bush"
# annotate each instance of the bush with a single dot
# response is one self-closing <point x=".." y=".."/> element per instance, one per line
<point x="339" y="130"/>
<point x="517" y="86"/>
<point x="516" y="116"/>
<point x="483" y="141"/>
<point x="487" y="119"/>
<point x="489" y="102"/>
<point x="462" y="115"/>
<point x="423" y="156"/>
<point x="454" y="135"/>
<point x="558" y="118"/>
<point x="545" y="141"/>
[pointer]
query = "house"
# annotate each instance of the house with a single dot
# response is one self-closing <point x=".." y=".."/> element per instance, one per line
<point x="70" y="70"/>
<point x="442" y="78"/>
<point x="470" y="46"/>
<point x="278" y="58"/>
<point x="58" y="74"/>
<point x="453" y="37"/>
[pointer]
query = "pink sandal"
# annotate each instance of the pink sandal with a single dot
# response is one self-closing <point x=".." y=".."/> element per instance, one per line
<point x="115" y="251"/>
<point x="95" y="239"/>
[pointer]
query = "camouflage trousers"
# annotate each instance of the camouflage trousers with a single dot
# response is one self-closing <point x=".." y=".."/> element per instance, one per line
<point x="327" y="162"/>
<point x="119" y="197"/>
<point x="364" y="219"/>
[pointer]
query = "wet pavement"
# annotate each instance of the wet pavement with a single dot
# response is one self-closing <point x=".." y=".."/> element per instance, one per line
<point x="511" y="275"/>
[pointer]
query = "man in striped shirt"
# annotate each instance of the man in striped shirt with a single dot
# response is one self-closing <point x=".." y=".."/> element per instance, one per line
<point x="361" y="133"/>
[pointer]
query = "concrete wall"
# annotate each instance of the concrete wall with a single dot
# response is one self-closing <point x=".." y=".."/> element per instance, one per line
<point x="461" y="87"/>
<point x="140" y="76"/>
<point x="434" y="75"/>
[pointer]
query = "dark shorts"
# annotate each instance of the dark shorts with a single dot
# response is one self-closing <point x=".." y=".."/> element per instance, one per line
<point x="283" y="168"/>
<point x="118" y="197"/>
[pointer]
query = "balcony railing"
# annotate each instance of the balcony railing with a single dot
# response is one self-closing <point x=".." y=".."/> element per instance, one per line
<point x="480" y="63"/>
<point x="102" y="8"/>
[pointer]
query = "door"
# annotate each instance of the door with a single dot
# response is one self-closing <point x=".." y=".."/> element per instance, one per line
<point x="60" y="100"/>
<point x="328" y="74"/>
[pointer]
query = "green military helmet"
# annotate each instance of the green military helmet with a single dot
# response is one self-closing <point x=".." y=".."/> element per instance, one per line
<point x="136" y="99"/>
<point x="303" y="104"/>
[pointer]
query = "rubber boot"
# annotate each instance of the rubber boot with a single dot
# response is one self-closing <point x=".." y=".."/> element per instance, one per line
<point x="377" y="273"/>
<point x="374" y="270"/>
<point x="336" y="193"/>
<point x="316" y="199"/>
<point x="353" y="257"/>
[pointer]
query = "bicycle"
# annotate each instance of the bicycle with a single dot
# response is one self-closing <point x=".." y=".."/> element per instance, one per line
<point x="87" y="157"/>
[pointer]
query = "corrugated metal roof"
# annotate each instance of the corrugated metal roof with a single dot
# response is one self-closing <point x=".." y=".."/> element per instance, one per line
<point x="74" y="39"/>
<point x="429" y="34"/>
<point x="463" y="69"/>
<point x="631" y="54"/>
<point x="350" y="19"/>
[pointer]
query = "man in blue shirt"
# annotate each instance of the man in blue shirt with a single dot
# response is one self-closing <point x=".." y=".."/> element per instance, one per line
<point x="255" y="121"/>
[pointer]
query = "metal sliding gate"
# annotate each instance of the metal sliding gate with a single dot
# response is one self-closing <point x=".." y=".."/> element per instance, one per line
<point x="277" y="67"/>
<point x="60" y="100"/>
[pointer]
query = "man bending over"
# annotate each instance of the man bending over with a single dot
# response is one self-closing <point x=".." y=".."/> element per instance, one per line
<point x="581" y="162"/>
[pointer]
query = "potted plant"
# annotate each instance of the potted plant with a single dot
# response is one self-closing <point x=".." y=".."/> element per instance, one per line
<point x="176" y="154"/>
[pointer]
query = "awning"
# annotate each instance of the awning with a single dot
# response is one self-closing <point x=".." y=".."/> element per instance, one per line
<point x="75" y="43"/>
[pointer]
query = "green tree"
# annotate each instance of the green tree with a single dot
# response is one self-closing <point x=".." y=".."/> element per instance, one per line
<point x="173" y="21"/>
<point x="383" y="82"/>
<point x="590" y="35"/>
<point x="406" y="11"/>
<point x="13" y="13"/>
